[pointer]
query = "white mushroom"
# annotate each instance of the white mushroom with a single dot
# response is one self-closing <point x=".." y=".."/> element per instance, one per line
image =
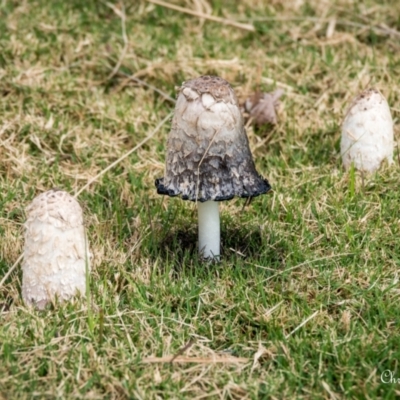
<point x="56" y="253"/>
<point x="208" y="155"/>
<point x="367" y="132"/>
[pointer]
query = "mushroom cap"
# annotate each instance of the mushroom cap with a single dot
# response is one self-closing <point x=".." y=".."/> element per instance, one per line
<point x="367" y="132"/>
<point x="55" y="251"/>
<point x="208" y="153"/>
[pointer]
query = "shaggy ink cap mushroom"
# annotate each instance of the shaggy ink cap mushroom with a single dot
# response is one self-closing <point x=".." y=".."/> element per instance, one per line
<point x="55" y="250"/>
<point x="367" y="132"/>
<point x="208" y="155"/>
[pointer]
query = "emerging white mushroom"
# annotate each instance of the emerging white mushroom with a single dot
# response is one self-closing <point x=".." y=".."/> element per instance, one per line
<point x="56" y="253"/>
<point x="208" y="155"/>
<point x="367" y="132"/>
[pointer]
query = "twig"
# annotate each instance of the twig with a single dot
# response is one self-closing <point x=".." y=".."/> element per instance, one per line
<point x="302" y="324"/>
<point x="247" y="27"/>
<point x="187" y="346"/>
<point x="157" y="128"/>
<point x="9" y="272"/>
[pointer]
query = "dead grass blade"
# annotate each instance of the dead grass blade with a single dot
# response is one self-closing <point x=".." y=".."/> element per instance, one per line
<point x="121" y="14"/>
<point x="196" y="360"/>
<point x="145" y="84"/>
<point x="302" y="324"/>
<point x="247" y="27"/>
<point x="9" y="272"/>
<point x="381" y="28"/>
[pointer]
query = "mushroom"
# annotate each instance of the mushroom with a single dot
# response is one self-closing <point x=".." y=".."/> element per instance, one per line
<point x="208" y="156"/>
<point x="367" y="132"/>
<point x="55" y="252"/>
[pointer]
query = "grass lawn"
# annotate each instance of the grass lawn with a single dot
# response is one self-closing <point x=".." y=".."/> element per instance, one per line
<point x="305" y="301"/>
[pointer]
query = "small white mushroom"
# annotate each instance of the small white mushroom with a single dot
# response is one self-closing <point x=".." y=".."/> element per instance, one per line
<point x="367" y="132"/>
<point x="56" y="253"/>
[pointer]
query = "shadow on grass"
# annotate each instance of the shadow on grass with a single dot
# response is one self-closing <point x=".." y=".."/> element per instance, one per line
<point x="238" y="246"/>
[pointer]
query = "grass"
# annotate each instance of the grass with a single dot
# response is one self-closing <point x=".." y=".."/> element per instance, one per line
<point x="307" y="289"/>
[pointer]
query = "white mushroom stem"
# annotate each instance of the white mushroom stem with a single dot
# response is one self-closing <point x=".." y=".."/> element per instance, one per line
<point x="209" y="229"/>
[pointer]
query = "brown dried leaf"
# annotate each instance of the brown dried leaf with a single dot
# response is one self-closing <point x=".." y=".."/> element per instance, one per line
<point x="262" y="107"/>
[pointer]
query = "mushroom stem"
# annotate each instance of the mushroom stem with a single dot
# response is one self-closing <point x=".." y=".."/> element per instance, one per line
<point x="209" y="229"/>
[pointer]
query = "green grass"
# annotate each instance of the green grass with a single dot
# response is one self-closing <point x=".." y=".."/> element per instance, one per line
<point x="323" y="244"/>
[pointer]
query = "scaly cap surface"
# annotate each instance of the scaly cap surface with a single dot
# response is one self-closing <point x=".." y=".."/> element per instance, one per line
<point x="55" y="252"/>
<point x="367" y="132"/>
<point x="208" y="154"/>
